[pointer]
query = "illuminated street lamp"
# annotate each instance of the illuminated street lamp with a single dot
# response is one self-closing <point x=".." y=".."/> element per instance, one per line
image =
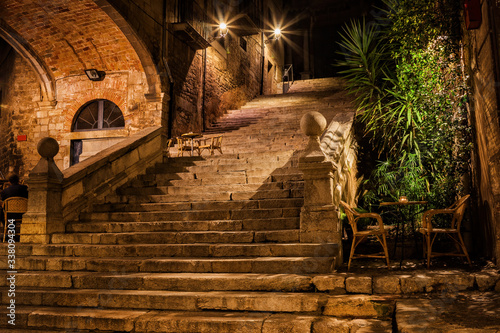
<point x="222" y="29"/>
<point x="277" y="33"/>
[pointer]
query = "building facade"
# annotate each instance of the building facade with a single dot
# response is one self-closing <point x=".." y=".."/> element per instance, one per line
<point x="90" y="73"/>
<point x="482" y="56"/>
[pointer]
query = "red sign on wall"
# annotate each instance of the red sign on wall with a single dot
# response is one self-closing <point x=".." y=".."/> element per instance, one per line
<point x="21" y="138"/>
<point x="473" y="16"/>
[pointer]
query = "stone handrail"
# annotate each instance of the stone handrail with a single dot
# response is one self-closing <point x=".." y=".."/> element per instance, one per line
<point x="326" y="165"/>
<point x="338" y="146"/>
<point x="58" y="197"/>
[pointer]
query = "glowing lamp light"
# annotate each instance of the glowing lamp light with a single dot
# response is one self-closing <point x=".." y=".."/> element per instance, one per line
<point x="222" y="29"/>
<point x="277" y="33"/>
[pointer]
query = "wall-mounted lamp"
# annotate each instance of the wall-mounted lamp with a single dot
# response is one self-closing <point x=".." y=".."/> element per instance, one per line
<point x="95" y="75"/>
<point x="277" y="36"/>
<point x="277" y="33"/>
<point x="223" y="29"/>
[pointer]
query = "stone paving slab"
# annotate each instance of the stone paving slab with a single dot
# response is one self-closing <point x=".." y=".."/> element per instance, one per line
<point x="451" y="313"/>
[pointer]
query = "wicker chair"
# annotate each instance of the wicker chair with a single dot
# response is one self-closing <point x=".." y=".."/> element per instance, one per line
<point x="456" y="211"/>
<point x="215" y="144"/>
<point x="358" y="236"/>
<point x="13" y="205"/>
<point x="184" y="144"/>
<point x="169" y="144"/>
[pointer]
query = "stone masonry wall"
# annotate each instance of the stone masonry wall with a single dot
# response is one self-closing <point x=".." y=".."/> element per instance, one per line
<point x="22" y="114"/>
<point x="207" y="82"/>
<point x="20" y="90"/>
<point x="232" y="77"/>
<point x="485" y="117"/>
<point x="62" y="38"/>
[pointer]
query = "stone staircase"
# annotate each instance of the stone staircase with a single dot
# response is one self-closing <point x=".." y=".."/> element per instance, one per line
<point x="195" y="244"/>
<point x="205" y="244"/>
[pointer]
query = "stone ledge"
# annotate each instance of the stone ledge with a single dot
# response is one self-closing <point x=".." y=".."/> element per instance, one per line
<point x="408" y="283"/>
<point x="91" y="164"/>
<point x="102" y="173"/>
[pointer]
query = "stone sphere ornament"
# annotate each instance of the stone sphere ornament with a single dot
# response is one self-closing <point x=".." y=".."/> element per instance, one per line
<point x="313" y="123"/>
<point x="48" y="147"/>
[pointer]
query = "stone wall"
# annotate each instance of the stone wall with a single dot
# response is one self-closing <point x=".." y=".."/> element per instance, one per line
<point x="43" y="81"/>
<point x="20" y="90"/>
<point x="485" y="118"/>
<point x="207" y="82"/>
<point x="23" y="114"/>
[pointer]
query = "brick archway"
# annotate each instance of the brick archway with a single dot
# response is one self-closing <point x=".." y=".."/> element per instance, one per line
<point x="22" y="47"/>
<point x="61" y="39"/>
<point x="73" y="109"/>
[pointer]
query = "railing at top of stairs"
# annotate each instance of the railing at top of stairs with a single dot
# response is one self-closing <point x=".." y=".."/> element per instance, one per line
<point x="287" y="78"/>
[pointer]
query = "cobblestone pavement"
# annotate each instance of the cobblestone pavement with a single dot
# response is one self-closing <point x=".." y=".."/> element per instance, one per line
<point x="449" y="297"/>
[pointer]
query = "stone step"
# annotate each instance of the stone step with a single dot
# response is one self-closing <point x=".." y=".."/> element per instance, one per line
<point x="198" y="215"/>
<point x="381" y="307"/>
<point x="165" y="281"/>
<point x="213" y="225"/>
<point x="278" y="265"/>
<point x="197" y="197"/>
<point x="177" y="250"/>
<point x="252" y="177"/>
<point x="209" y="205"/>
<point x="113" y="320"/>
<point x="231" y="159"/>
<point x="183" y="188"/>
<point x="187" y="237"/>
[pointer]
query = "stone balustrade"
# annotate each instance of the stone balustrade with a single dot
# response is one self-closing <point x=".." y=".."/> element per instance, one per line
<point x="57" y="197"/>
<point x="338" y="146"/>
<point x="329" y="168"/>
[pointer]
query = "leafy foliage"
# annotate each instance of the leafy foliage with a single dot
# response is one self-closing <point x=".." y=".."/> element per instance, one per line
<point x="411" y="98"/>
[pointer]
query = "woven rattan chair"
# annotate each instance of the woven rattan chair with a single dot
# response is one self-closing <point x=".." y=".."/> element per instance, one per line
<point x="184" y="144"/>
<point x="456" y="212"/>
<point x="169" y="144"/>
<point x="211" y="144"/>
<point x="13" y="205"/>
<point x="358" y="236"/>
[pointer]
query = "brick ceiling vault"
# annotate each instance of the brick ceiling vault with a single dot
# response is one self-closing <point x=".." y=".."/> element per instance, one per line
<point x="61" y="38"/>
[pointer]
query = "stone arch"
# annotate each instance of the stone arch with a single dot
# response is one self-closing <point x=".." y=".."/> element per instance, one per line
<point x="150" y="69"/>
<point x="72" y="110"/>
<point x="95" y="116"/>
<point x="23" y="48"/>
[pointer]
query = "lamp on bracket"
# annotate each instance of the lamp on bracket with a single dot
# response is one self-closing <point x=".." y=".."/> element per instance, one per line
<point x="95" y="75"/>
<point x="223" y="30"/>
<point x="276" y="36"/>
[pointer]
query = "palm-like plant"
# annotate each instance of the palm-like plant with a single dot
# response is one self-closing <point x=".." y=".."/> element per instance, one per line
<point x="404" y="96"/>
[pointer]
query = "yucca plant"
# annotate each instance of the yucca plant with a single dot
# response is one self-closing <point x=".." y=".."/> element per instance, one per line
<point x="405" y="76"/>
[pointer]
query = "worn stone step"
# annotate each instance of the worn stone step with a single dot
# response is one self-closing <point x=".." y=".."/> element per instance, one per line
<point x="357" y="306"/>
<point x="213" y="225"/>
<point x="202" y="188"/>
<point x="198" y="215"/>
<point x="187" y="237"/>
<point x="294" y="265"/>
<point x="208" y="184"/>
<point x="53" y="319"/>
<point x="193" y="197"/>
<point x="181" y="250"/>
<point x="173" y="300"/>
<point x="165" y="281"/>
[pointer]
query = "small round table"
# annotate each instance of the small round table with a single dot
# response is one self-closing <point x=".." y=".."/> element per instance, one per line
<point x="404" y="203"/>
<point x="191" y="136"/>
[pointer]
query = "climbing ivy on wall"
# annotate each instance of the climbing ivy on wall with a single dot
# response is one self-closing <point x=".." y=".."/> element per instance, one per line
<point x="406" y="71"/>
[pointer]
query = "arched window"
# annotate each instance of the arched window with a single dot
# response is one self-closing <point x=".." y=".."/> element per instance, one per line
<point x="99" y="114"/>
